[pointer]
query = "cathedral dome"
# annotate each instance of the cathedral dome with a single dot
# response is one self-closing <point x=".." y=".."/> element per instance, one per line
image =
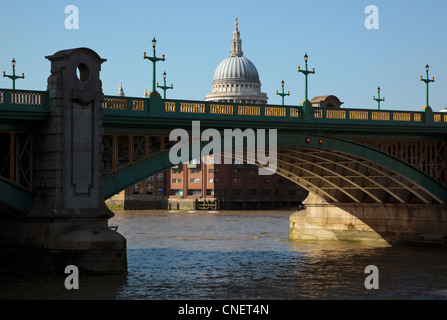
<point x="236" y="68"/>
<point x="236" y="78"/>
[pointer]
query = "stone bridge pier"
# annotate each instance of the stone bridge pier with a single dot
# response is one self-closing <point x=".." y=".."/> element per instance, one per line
<point x="68" y="224"/>
<point x="373" y="223"/>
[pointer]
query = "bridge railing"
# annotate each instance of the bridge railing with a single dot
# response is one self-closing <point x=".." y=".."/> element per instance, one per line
<point x="125" y="104"/>
<point x="26" y="98"/>
<point x="38" y="101"/>
<point x="376" y="115"/>
<point x="239" y="111"/>
<point x="223" y="110"/>
<point x="198" y="109"/>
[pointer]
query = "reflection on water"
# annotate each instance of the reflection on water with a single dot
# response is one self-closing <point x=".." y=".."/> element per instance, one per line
<point x="242" y="255"/>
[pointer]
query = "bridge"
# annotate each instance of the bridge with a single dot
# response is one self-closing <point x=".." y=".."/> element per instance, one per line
<point x="378" y="175"/>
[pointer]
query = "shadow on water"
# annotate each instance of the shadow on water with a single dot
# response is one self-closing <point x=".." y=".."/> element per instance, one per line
<point x="51" y="287"/>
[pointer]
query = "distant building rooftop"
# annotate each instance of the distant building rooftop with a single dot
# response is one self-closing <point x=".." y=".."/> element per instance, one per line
<point x="329" y="101"/>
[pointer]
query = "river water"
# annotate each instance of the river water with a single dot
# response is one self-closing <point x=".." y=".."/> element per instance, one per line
<point x="243" y="256"/>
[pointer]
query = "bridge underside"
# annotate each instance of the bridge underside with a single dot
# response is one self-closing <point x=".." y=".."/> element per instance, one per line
<point x="336" y="170"/>
<point x="339" y="177"/>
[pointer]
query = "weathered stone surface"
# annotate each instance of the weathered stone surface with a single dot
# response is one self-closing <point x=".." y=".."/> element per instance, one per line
<point x="68" y="224"/>
<point x="375" y="223"/>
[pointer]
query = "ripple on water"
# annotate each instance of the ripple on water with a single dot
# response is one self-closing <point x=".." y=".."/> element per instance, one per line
<point x="234" y="255"/>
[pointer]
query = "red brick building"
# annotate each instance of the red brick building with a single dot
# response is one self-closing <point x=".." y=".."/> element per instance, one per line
<point x="214" y="186"/>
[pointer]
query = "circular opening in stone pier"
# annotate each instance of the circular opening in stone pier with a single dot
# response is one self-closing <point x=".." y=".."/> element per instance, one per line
<point x="82" y="72"/>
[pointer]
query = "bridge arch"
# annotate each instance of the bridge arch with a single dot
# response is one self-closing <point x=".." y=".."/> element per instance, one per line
<point x="336" y="170"/>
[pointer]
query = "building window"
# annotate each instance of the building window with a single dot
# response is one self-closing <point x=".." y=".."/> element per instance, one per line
<point x="160" y="176"/>
<point x="210" y="192"/>
<point x="252" y="171"/>
<point x="266" y="181"/>
<point x="176" y="171"/>
<point x="210" y="171"/>
<point x="195" y="192"/>
<point x="237" y="180"/>
<point x="149" y="189"/>
<point x="194" y="180"/>
<point x="280" y="181"/>
<point x="211" y="180"/>
<point x="211" y="161"/>
<point x="236" y="192"/>
<point x="136" y="189"/>
<point x="265" y="192"/>
<point x="194" y="171"/>
<point x="237" y="171"/>
<point x="177" y="192"/>
<point x="251" y="192"/>
<point x="151" y="178"/>
<point x="251" y="180"/>
<point x="176" y="180"/>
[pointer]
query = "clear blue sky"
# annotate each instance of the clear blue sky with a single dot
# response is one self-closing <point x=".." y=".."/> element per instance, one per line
<point x="350" y="61"/>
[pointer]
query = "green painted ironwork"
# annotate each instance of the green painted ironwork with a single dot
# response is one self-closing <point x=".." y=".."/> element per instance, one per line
<point x="427" y="82"/>
<point x="130" y="175"/>
<point x="34" y="105"/>
<point x="154" y="60"/>
<point x="164" y="87"/>
<point x="16" y="197"/>
<point x="378" y="99"/>
<point x="118" y="110"/>
<point x="282" y="94"/>
<point x="13" y="76"/>
<point x="307" y="105"/>
<point x="136" y="115"/>
<point x="24" y="105"/>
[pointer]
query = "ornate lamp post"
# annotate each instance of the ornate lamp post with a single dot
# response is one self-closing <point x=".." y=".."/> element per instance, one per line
<point x="164" y="87"/>
<point x="283" y="94"/>
<point x="306" y="73"/>
<point x="427" y="81"/>
<point x="379" y="100"/>
<point x="13" y="77"/>
<point x="154" y="59"/>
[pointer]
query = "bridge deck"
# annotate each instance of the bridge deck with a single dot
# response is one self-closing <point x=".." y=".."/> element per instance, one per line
<point x="26" y="105"/>
<point x="130" y="110"/>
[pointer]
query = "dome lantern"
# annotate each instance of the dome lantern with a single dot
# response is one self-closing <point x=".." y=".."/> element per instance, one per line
<point x="236" y="43"/>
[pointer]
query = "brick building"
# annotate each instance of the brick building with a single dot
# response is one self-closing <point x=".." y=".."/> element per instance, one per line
<point x="213" y="186"/>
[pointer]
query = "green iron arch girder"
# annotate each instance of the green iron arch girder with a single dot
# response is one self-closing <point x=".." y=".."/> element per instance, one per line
<point x="130" y="175"/>
<point x="15" y="198"/>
